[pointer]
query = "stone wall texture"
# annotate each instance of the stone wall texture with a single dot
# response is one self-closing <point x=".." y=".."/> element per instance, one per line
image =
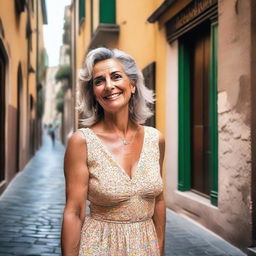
<point x="234" y="124"/>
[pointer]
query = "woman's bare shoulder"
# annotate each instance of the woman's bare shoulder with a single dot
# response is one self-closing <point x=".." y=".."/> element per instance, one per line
<point x="76" y="142"/>
<point x="157" y="133"/>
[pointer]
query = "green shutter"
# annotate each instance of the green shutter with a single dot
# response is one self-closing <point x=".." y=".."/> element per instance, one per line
<point x="214" y="116"/>
<point x="108" y="11"/>
<point x="184" y="154"/>
<point x="81" y="10"/>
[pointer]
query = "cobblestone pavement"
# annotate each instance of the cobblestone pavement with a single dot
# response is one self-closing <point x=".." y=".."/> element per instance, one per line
<point x="31" y="211"/>
<point x="31" y="208"/>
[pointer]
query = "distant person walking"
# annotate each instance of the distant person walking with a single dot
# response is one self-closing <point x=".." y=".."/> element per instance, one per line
<point x="51" y="133"/>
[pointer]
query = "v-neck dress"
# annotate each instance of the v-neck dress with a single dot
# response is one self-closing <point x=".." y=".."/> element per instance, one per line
<point x="121" y="207"/>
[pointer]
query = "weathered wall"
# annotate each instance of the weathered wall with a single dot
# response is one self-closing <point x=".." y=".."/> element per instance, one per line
<point x="234" y="119"/>
<point x="253" y="121"/>
<point x="13" y="38"/>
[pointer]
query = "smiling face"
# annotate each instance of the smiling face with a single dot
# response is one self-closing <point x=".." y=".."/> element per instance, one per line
<point x="111" y="86"/>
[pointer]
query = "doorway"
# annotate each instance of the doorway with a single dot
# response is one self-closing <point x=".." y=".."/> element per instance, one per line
<point x="19" y="116"/>
<point x="199" y="47"/>
<point x="2" y="112"/>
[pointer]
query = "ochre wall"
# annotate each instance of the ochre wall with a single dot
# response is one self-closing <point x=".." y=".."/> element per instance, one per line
<point x="16" y="46"/>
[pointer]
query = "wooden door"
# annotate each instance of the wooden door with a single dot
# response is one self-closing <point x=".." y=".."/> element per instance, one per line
<point x="200" y="71"/>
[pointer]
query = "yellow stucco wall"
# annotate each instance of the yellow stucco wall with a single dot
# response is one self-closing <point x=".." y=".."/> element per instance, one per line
<point x="137" y="36"/>
<point x="84" y="34"/>
<point x="14" y="41"/>
<point x="161" y="73"/>
<point x="15" y="45"/>
<point x="146" y="43"/>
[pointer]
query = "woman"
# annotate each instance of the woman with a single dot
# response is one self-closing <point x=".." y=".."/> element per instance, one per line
<point x="115" y="163"/>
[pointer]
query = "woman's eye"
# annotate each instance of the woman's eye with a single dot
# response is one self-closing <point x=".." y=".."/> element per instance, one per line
<point x="116" y="76"/>
<point x="97" y="82"/>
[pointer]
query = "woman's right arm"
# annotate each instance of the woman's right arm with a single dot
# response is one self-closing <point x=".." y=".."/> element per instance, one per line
<point x="76" y="176"/>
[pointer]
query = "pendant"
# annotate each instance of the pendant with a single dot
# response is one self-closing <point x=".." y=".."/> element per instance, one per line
<point x="125" y="142"/>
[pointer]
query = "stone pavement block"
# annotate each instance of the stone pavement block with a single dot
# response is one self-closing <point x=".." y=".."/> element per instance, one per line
<point x="4" y="239"/>
<point x="10" y="234"/>
<point x="16" y="250"/>
<point x="29" y="240"/>
<point x="51" y="254"/>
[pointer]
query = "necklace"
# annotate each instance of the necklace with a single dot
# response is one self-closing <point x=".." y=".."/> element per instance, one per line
<point x="126" y="142"/>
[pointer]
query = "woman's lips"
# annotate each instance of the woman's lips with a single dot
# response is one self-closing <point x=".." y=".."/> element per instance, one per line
<point x="112" y="96"/>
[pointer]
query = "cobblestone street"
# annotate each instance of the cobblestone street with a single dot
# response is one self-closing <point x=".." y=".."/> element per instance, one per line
<point x="31" y="211"/>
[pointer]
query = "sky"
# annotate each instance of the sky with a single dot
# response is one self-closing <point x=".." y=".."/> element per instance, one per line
<point x="54" y="29"/>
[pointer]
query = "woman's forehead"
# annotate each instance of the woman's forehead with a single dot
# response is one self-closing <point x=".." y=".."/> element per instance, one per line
<point x="107" y="66"/>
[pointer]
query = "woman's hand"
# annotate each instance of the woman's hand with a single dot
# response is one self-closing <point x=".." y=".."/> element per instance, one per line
<point x="76" y="175"/>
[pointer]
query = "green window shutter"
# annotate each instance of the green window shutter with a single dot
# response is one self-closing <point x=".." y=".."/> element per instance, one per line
<point x="214" y="116"/>
<point x="184" y="154"/>
<point x="108" y="11"/>
<point x="81" y="10"/>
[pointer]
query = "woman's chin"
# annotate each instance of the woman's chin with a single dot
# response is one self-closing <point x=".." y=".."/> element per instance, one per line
<point x="115" y="108"/>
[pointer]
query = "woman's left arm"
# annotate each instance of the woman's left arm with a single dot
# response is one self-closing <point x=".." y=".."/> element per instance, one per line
<point x="159" y="216"/>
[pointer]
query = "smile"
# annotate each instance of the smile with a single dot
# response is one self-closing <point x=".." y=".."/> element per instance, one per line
<point x="112" y="96"/>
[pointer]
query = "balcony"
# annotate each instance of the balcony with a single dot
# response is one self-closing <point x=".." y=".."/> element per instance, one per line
<point x="107" y="31"/>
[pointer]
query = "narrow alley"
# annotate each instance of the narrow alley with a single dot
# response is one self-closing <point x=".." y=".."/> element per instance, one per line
<point x="31" y="212"/>
<point x="184" y="67"/>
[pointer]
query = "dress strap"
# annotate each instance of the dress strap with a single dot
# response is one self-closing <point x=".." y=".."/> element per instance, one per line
<point x="84" y="131"/>
<point x="153" y="142"/>
<point x="87" y="135"/>
<point x="88" y="141"/>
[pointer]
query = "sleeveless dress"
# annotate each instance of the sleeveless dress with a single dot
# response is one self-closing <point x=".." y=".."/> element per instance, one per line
<point x="121" y="208"/>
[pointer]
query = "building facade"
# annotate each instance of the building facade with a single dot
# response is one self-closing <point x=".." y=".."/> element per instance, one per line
<point x="198" y="56"/>
<point x="210" y="127"/>
<point x="22" y="72"/>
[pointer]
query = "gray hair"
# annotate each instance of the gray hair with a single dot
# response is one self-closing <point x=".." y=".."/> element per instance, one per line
<point x="91" y="111"/>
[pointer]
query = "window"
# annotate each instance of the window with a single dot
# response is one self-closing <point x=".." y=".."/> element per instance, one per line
<point x="149" y="73"/>
<point x="198" y="111"/>
<point x="81" y="11"/>
<point x="108" y="11"/>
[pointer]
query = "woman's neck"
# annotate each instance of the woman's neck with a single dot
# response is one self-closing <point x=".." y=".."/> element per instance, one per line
<point x="118" y="122"/>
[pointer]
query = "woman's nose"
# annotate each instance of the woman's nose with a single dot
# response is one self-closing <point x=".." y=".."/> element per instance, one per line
<point x="109" y="84"/>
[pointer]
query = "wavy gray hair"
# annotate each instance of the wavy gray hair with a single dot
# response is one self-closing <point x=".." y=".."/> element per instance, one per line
<point x="91" y="111"/>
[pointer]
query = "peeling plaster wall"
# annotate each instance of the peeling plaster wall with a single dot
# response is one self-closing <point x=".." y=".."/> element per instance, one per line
<point x="234" y="120"/>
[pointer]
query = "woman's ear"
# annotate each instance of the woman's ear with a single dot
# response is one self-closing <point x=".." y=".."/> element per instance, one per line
<point x="133" y="88"/>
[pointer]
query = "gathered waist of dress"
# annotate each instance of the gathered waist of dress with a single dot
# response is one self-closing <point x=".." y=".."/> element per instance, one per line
<point x="119" y="221"/>
<point x="129" y="211"/>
